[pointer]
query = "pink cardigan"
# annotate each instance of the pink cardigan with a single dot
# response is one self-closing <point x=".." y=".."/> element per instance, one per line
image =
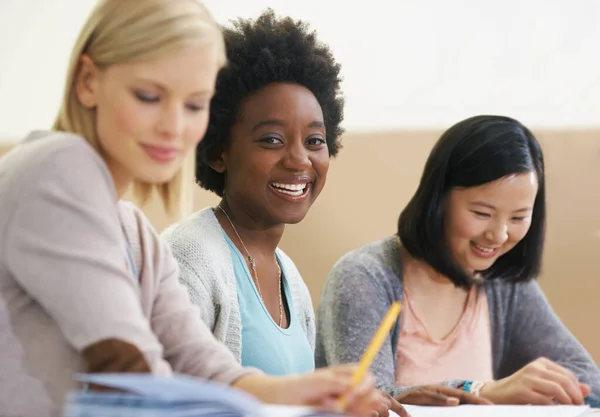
<point x="68" y="302"/>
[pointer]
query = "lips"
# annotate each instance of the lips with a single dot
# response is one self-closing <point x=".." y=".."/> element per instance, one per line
<point x="161" y="154"/>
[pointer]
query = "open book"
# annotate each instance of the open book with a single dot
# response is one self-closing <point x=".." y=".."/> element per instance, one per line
<point x="147" y="395"/>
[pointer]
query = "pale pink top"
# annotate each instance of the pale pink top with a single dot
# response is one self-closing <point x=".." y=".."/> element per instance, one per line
<point x="466" y="353"/>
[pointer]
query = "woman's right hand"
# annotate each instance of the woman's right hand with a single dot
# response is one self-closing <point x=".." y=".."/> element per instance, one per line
<point x="322" y="390"/>
<point x="541" y="382"/>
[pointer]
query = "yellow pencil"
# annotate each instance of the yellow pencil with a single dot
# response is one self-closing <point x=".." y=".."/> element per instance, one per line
<point x="367" y="359"/>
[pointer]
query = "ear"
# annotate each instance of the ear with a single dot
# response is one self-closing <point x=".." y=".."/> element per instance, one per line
<point x="86" y="82"/>
<point x="218" y="163"/>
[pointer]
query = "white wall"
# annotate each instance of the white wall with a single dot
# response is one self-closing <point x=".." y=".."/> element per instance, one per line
<point x="408" y="64"/>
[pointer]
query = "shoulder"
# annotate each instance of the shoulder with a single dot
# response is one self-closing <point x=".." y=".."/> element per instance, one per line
<point x="375" y="266"/>
<point x="198" y="243"/>
<point x="379" y="258"/>
<point x="53" y="166"/>
<point x="504" y="292"/>
<point x="57" y="174"/>
<point x="51" y="154"/>
<point x="194" y="231"/>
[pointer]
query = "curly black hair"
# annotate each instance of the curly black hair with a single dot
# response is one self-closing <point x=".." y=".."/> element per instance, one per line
<point x="260" y="52"/>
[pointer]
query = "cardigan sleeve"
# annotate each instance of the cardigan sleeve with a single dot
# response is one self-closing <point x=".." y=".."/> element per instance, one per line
<point x="353" y="303"/>
<point x="194" y="276"/>
<point x="189" y="345"/>
<point x="66" y="249"/>
<point x="533" y="330"/>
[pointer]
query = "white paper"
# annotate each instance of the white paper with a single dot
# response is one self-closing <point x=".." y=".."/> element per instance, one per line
<point x="500" y="411"/>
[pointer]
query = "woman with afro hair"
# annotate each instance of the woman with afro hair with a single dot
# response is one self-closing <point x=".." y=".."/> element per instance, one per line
<point x="274" y="124"/>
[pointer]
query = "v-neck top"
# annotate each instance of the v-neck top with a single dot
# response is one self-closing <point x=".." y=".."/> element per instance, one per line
<point x="466" y="352"/>
<point x="265" y="345"/>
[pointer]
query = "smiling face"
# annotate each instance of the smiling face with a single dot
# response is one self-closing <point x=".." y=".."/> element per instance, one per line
<point x="150" y="114"/>
<point x="276" y="159"/>
<point x="482" y="223"/>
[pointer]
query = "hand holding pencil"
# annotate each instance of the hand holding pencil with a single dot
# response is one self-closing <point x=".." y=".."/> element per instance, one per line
<point x="348" y="388"/>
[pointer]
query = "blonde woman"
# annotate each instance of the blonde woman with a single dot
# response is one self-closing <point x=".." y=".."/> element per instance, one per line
<point x="85" y="283"/>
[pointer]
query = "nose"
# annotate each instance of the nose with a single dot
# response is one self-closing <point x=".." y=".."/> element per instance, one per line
<point x="171" y="123"/>
<point x="297" y="157"/>
<point x="497" y="233"/>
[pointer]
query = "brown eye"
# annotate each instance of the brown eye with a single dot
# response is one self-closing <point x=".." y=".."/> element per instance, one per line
<point x="316" y="141"/>
<point x="271" y="140"/>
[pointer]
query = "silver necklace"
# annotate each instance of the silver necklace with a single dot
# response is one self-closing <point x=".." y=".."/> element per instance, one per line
<point x="253" y="267"/>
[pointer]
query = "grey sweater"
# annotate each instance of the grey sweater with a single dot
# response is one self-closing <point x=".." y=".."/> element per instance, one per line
<point x="206" y="267"/>
<point x="364" y="283"/>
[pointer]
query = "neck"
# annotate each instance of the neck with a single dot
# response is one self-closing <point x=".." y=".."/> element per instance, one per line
<point x="422" y="275"/>
<point x="258" y="237"/>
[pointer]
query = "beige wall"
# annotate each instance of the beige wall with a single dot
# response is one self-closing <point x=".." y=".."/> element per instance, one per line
<point x="375" y="175"/>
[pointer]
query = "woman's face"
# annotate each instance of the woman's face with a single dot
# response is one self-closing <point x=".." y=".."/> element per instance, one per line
<point x="482" y="223"/>
<point x="150" y="114"/>
<point x="276" y="160"/>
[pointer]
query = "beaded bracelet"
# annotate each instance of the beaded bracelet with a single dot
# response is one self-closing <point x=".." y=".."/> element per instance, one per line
<point x="473" y="387"/>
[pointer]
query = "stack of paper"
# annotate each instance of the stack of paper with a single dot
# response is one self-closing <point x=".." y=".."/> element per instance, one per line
<point x="145" y="395"/>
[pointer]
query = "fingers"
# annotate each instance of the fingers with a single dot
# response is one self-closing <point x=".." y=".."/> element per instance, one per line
<point x="560" y="369"/>
<point x="585" y="389"/>
<point x="570" y="387"/>
<point x="364" y="396"/>
<point x="321" y="387"/>
<point x="552" y="390"/>
<point x="565" y="378"/>
<point x="368" y="401"/>
<point x="422" y="396"/>
<point x="535" y="398"/>
<point x="440" y="395"/>
<point x="397" y="408"/>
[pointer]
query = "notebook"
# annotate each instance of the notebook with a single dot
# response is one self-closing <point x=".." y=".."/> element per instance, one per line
<point x="502" y="411"/>
<point x="146" y="395"/>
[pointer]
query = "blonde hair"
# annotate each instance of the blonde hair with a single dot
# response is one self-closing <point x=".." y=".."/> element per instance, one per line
<point x="120" y="31"/>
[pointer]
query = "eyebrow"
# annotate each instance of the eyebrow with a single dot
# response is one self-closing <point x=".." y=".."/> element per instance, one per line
<point x="163" y="88"/>
<point x="277" y="122"/>
<point x="491" y="207"/>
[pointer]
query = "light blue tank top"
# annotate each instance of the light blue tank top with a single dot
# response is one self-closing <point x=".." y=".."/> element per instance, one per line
<point x="265" y="345"/>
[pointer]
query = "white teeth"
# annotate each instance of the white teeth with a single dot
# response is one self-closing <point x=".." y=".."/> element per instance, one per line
<point x="484" y="249"/>
<point x="291" y="187"/>
<point x="295" y="190"/>
<point x="293" y="193"/>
